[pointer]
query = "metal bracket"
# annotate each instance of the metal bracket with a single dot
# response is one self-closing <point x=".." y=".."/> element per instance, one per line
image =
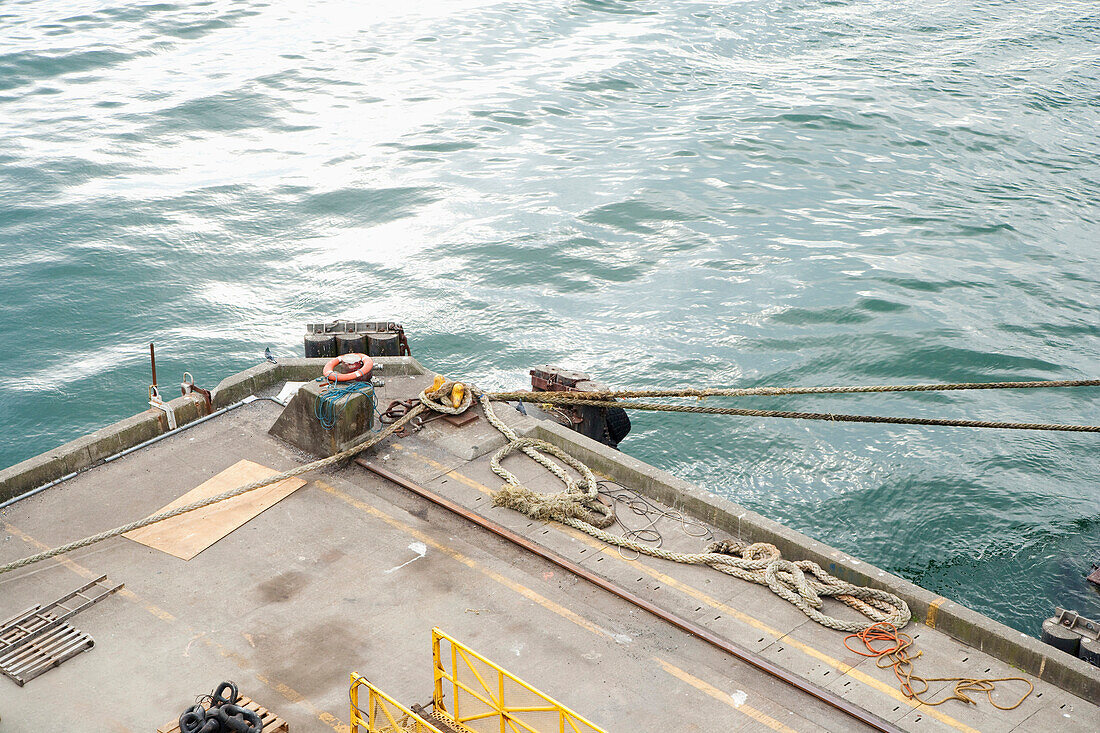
<point x="1077" y="623"/>
<point x="156" y="402"/>
<point x="188" y="386"/>
<point x="345" y="326"/>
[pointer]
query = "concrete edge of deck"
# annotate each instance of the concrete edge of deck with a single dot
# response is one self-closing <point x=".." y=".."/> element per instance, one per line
<point x="91" y="450"/>
<point x="964" y="624"/>
<point x="970" y="627"/>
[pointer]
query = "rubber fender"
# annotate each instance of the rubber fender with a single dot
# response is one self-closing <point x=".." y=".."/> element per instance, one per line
<point x="1060" y="637"/>
<point x="351" y="343"/>
<point x="320" y="345"/>
<point x="618" y="424"/>
<point x="1089" y="651"/>
<point x="383" y="344"/>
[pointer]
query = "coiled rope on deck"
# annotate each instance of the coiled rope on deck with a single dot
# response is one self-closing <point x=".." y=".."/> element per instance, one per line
<point x="331" y="402"/>
<point x="803" y="583"/>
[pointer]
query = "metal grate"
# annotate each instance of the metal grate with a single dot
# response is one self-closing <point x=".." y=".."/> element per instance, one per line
<point x="441" y="721"/>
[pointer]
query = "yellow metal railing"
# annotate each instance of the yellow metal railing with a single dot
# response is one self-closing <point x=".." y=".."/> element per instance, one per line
<point x="487" y="699"/>
<point x="383" y="714"/>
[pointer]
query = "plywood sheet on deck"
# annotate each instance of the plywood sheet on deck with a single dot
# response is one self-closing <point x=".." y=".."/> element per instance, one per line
<point x="189" y="534"/>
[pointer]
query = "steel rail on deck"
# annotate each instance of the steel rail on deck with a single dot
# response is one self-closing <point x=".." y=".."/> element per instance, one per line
<point x="745" y="655"/>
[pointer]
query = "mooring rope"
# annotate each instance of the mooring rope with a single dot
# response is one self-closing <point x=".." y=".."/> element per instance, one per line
<point x="613" y="398"/>
<point x="433" y="401"/>
<point x="579" y="398"/>
<point x="803" y="583"/>
<point x="765" y="391"/>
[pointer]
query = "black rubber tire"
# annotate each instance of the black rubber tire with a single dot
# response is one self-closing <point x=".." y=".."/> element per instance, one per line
<point x="618" y="424"/>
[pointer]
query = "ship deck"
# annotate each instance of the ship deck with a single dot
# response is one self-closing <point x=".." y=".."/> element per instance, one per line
<point x="351" y="572"/>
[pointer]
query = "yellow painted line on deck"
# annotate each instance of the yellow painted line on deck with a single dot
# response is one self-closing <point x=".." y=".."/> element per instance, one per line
<point x="699" y="595"/>
<point x="446" y="471"/>
<point x="706" y="687"/>
<point x="290" y="694"/>
<point x="468" y="562"/>
<point x="89" y="574"/>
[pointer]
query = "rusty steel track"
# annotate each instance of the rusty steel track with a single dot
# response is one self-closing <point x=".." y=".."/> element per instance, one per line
<point x="700" y="632"/>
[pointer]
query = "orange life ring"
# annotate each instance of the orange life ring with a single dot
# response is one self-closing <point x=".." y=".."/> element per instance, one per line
<point x="332" y="375"/>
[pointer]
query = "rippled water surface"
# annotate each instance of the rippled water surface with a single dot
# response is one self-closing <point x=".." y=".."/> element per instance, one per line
<point x="662" y="193"/>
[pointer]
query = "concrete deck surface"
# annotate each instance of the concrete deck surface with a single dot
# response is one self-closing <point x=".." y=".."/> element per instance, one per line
<point x="331" y="580"/>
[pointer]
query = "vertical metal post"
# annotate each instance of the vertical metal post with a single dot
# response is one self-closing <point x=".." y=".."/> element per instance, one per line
<point x="454" y="680"/>
<point x="503" y="707"/>
<point x="153" y="362"/>
<point x="354" y="704"/>
<point x="437" y="694"/>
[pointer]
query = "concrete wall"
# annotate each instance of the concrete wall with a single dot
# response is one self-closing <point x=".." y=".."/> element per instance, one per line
<point x="89" y="450"/>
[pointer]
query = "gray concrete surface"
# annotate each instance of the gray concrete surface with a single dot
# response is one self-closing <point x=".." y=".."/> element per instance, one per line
<point x="318" y="586"/>
<point x="751" y="615"/>
<point x="1023" y="652"/>
<point x="330" y="581"/>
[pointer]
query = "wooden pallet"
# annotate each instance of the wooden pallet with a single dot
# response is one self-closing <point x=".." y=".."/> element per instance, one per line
<point x="38" y="639"/>
<point x="43" y="651"/>
<point x="35" y="621"/>
<point x="272" y="722"/>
